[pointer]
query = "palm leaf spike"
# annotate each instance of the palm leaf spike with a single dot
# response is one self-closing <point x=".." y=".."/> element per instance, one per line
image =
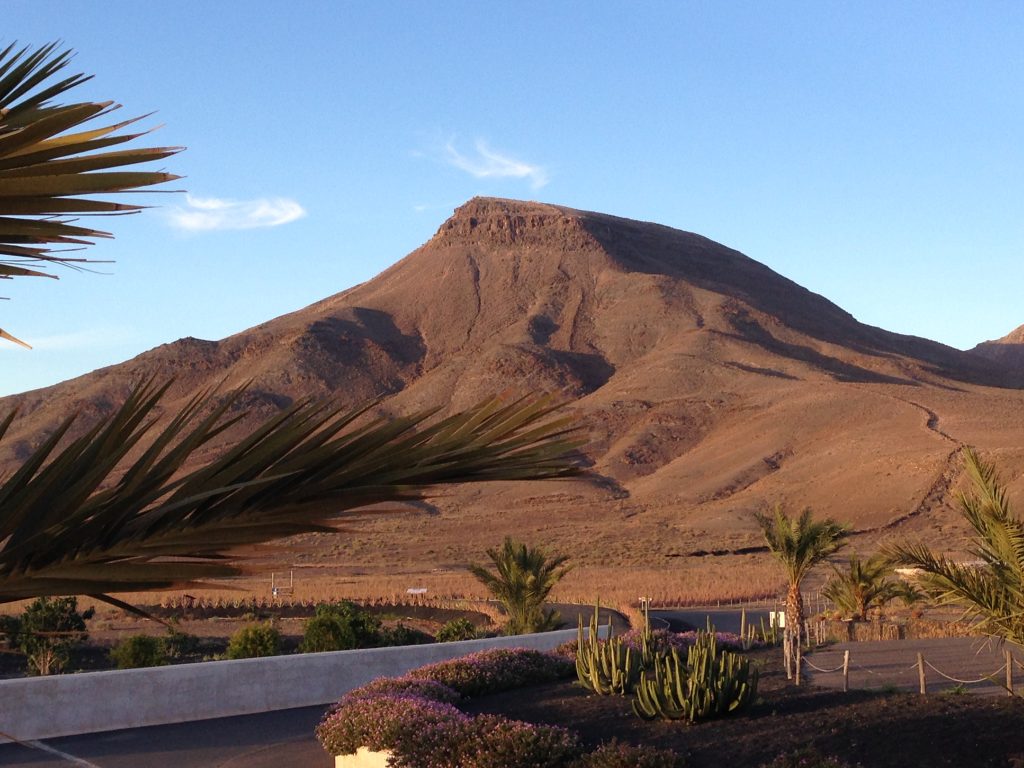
<point x="47" y="164"/>
<point x="65" y="530"/>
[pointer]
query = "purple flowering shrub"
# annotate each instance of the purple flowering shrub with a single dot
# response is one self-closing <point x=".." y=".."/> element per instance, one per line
<point x="391" y="721"/>
<point x="615" y="754"/>
<point x="498" y="669"/>
<point x="492" y="741"/>
<point x="806" y="758"/>
<point x="664" y="641"/>
<point x="425" y="689"/>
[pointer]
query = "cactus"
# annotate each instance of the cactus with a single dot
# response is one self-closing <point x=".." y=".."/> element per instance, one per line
<point x="608" y="666"/>
<point x="709" y="684"/>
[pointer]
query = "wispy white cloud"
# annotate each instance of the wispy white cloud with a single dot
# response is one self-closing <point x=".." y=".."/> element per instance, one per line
<point x="205" y="214"/>
<point x="88" y="338"/>
<point x="486" y="163"/>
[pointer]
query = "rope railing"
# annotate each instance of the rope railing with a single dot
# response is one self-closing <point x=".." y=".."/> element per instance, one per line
<point x="920" y="666"/>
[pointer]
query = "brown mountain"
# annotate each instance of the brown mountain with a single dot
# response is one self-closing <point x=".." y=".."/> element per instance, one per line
<point x="710" y="386"/>
<point x="1007" y="351"/>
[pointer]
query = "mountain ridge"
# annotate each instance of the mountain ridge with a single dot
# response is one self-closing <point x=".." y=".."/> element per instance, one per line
<point x="709" y="384"/>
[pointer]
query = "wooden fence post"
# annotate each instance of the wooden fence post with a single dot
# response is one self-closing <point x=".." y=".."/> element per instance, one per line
<point x="920" y="673"/>
<point x="846" y="671"/>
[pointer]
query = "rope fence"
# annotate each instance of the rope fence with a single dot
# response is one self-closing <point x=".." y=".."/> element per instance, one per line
<point x="1002" y="677"/>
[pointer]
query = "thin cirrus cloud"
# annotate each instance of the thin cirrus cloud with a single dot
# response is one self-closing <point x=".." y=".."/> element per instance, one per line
<point x="207" y="214"/>
<point x="486" y="163"/>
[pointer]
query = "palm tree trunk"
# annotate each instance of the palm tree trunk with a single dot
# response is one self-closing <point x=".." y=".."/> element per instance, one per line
<point x="794" y="609"/>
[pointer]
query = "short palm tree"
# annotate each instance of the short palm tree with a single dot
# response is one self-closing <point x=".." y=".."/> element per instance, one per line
<point x="522" y="579"/>
<point x="799" y="543"/>
<point x="87" y="519"/>
<point x="48" y="163"/>
<point x="991" y="591"/>
<point x="864" y="585"/>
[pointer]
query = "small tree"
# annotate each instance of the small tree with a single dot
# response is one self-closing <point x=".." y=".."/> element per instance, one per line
<point x="522" y="579"/>
<point x="864" y="585"/>
<point x="47" y="631"/>
<point x="799" y="544"/>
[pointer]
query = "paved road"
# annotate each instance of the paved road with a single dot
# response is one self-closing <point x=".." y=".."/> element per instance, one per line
<point x="723" y="619"/>
<point x="893" y="664"/>
<point x="271" y="740"/>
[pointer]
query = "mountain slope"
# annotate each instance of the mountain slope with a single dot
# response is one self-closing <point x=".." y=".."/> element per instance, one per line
<point x="709" y="385"/>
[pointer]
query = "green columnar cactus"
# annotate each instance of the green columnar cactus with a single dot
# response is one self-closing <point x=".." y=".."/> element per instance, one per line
<point x="710" y="684"/>
<point x="608" y="666"/>
<point x="605" y="666"/>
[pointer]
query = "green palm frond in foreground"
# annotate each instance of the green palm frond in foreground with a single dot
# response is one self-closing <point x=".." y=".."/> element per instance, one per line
<point x="82" y="519"/>
<point x="50" y="166"/>
<point x="992" y="590"/>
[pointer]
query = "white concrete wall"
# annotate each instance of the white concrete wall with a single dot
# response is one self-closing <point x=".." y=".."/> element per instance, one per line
<point x="64" y="705"/>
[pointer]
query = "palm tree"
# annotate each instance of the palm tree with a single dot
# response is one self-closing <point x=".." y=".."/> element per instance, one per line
<point x="993" y="592"/>
<point x="84" y="519"/>
<point x="799" y="544"/>
<point x="866" y="584"/>
<point x="522" y="579"/>
<point x="47" y="164"/>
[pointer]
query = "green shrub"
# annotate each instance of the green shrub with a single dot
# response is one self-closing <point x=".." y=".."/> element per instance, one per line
<point x="339" y="627"/>
<point x="139" y="651"/>
<point x="403" y="635"/>
<point x="455" y="630"/>
<point x="254" y="641"/>
<point x="179" y="645"/>
<point x="327" y="631"/>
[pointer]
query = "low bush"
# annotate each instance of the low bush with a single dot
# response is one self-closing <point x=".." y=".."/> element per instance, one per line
<point x="340" y="627"/>
<point x="455" y="630"/>
<point x="615" y="754"/>
<point x="807" y="757"/>
<point x="426" y="689"/>
<point x="403" y="635"/>
<point x="254" y="641"/>
<point x="139" y="651"/>
<point x="327" y="631"/>
<point x="492" y="741"/>
<point x="179" y="645"/>
<point x="419" y="731"/>
<point x="497" y="669"/>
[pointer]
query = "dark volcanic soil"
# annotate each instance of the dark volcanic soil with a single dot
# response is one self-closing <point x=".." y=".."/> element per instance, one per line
<point x="876" y="730"/>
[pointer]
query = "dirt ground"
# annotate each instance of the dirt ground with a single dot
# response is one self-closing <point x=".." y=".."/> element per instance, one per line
<point x="872" y="729"/>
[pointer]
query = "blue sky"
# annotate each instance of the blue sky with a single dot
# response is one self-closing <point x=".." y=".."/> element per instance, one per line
<point x="870" y="151"/>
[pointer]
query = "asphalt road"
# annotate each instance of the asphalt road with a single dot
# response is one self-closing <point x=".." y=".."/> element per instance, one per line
<point x="271" y="740"/>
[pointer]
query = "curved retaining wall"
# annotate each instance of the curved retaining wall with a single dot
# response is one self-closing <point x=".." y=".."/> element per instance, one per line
<point x="64" y="705"/>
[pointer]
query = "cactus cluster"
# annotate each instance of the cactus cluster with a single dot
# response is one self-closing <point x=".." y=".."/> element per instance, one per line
<point x="709" y="684"/>
<point x="609" y="666"/>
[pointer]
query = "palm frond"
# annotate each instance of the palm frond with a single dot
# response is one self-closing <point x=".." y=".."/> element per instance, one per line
<point x="66" y="528"/>
<point x="49" y="165"/>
